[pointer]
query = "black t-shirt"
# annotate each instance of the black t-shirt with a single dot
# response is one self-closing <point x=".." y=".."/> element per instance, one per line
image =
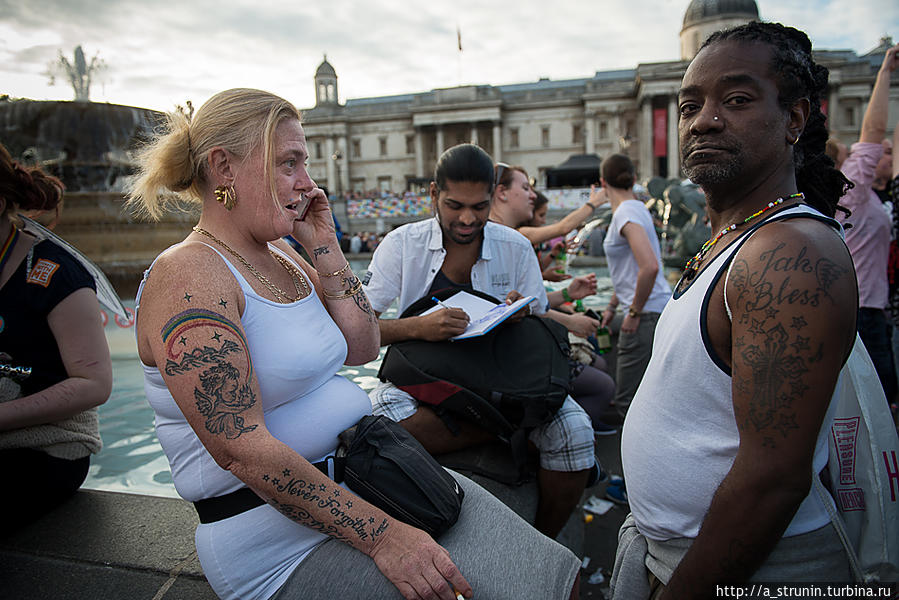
<point x="25" y="302"/>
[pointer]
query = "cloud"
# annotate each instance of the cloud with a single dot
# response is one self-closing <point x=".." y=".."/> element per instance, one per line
<point x="160" y="54"/>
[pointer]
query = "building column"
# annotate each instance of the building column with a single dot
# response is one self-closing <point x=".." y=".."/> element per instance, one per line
<point x="419" y="154"/>
<point x="620" y="132"/>
<point x="474" y="134"/>
<point x="646" y="162"/>
<point x="497" y="142"/>
<point x="589" y="133"/>
<point x="673" y="145"/>
<point x="332" y="166"/>
<point x="439" y="140"/>
<point x="833" y="106"/>
<point x="344" y="165"/>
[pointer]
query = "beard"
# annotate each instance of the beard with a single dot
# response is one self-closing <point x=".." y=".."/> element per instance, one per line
<point x="712" y="172"/>
<point x="466" y="238"/>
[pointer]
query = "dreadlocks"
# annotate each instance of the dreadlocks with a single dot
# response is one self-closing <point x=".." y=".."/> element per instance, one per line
<point x="798" y="76"/>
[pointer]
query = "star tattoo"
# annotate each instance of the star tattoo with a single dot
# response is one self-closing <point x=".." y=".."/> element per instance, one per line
<point x="223" y="303"/>
<point x="217" y="336"/>
<point x="187" y="296"/>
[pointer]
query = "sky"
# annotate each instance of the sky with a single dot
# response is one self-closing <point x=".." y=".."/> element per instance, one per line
<point x="160" y="54"/>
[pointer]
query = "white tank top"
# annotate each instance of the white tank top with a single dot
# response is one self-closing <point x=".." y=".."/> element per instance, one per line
<point x="296" y="350"/>
<point x="680" y="436"/>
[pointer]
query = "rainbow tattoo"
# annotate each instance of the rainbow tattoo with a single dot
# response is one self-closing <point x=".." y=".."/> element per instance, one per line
<point x="193" y="318"/>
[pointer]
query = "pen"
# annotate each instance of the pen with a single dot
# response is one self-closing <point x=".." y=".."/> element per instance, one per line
<point x="446" y="306"/>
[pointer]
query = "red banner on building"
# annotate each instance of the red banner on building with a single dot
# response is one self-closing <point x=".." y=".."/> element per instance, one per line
<point x="659" y="132"/>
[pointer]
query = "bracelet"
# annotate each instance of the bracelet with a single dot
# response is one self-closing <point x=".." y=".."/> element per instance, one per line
<point x="566" y="296"/>
<point x="350" y="292"/>
<point x="591" y="205"/>
<point x="611" y="308"/>
<point x="633" y="312"/>
<point x="335" y="273"/>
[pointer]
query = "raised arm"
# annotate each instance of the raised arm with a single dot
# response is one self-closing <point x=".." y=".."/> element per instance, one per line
<point x="201" y="350"/>
<point x="75" y="323"/>
<point x="338" y="287"/>
<point x="793" y="295"/>
<point x="570" y="221"/>
<point x="896" y="151"/>
<point x="874" y="123"/>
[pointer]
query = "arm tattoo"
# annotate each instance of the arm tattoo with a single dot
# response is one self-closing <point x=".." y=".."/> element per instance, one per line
<point x="222" y="396"/>
<point x="343" y="524"/>
<point x="360" y="299"/>
<point x="760" y="294"/>
<point x="316" y="252"/>
<point x="777" y="355"/>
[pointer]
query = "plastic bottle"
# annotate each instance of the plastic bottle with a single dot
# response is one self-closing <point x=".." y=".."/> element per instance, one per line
<point x="603" y="340"/>
<point x="561" y="261"/>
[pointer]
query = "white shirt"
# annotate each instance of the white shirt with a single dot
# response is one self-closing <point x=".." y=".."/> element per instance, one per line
<point x="623" y="267"/>
<point x="408" y="258"/>
<point x="680" y="436"/>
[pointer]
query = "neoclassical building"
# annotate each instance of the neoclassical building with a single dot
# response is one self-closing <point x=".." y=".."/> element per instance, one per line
<point x="392" y="142"/>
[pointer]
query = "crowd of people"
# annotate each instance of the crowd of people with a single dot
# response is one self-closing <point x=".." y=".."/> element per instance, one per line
<point x="725" y="388"/>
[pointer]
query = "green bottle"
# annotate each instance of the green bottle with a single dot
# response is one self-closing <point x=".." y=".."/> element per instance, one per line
<point x="603" y="340"/>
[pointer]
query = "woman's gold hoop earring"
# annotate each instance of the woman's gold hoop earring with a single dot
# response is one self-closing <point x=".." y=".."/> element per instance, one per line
<point x="226" y="196"/>
<point x="794" y="142"/>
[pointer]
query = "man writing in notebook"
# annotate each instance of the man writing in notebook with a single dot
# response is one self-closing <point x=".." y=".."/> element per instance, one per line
<point x="459" y="248"/>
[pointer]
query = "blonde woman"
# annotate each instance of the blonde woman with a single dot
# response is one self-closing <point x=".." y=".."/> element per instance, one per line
<point x="241" y="341"/>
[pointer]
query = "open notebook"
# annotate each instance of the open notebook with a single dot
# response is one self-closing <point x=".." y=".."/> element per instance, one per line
<point x="484" y="314"/>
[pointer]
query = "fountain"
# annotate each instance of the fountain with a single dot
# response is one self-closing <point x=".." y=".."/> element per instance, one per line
<point x="88" y="146"/>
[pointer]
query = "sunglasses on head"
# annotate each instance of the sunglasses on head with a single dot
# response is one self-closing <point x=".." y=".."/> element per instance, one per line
<point x="500" y="171"/>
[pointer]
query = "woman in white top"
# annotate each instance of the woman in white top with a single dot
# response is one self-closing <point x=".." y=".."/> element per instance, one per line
<point x="635" y="266"/>
<point x="241" y="340"/>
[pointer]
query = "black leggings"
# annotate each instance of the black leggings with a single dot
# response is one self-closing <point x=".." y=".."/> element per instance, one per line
<point x="34" y="483"/>
<point x="593" y="389"/>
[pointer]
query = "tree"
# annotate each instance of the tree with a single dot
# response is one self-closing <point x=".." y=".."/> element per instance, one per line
<point x="79" y="74"/>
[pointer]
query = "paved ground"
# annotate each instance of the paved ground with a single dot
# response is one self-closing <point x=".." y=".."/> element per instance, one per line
<point x="601" y="535"/>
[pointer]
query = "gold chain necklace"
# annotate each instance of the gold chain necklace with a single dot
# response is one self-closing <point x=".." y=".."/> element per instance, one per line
<point x="278" y="292"/>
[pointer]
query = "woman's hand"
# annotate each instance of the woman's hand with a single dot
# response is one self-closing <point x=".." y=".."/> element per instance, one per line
<point x="583" y="286"/>
<point x="581" y="325"/>
<point x="551" y="273"/>
<point x="418" y="566"/>
<point x="630" y="324"/>
<point x="598" y="197"/>
<point x="607" y="315"/>
<point x="317" y="227"/>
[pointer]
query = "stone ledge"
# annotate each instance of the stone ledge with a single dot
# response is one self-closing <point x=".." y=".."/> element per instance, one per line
<point x="106" y="545"/>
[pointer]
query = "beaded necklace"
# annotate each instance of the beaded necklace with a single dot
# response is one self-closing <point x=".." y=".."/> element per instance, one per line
<point x="6" y="250"/>
<point x="280" y="294"/>
<point x="692" y="266"/>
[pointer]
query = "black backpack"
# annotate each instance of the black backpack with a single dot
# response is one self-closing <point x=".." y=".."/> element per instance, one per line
<point x="507" y="381"/>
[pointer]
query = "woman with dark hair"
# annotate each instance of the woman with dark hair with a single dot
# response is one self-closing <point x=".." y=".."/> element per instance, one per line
<point x="50" y="324"/>
<point x="635" y="266"/>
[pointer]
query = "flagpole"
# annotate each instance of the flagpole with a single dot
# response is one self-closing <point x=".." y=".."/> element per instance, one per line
<point x="459" y="60"/>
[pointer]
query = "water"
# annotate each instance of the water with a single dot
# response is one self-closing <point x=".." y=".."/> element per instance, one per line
<point x="132" y="459"/>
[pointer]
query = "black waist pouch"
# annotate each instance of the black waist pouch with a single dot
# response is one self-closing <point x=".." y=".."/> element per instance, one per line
<point x="383" y="464"/>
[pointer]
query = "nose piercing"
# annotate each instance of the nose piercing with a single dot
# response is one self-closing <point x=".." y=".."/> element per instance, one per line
<point x="715" y="118"/>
